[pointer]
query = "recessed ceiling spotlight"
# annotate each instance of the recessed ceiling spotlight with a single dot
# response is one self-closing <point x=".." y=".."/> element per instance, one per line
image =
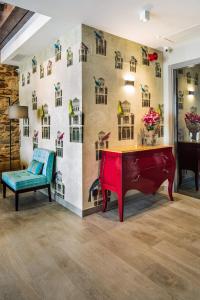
<point x="145" y="15"/>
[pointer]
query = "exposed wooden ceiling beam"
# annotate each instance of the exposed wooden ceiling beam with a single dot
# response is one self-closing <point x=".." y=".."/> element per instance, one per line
<point x="13" y="23"/>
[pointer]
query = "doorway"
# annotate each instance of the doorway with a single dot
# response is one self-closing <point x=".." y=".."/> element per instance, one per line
<point x="188" y="129"/>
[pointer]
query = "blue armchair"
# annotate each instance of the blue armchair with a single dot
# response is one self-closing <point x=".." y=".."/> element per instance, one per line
<point x="23" y="181"/>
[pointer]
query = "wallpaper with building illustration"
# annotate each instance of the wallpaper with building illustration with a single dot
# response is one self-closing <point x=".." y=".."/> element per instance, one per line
<point x="87" y="107"/>
<point x="51" y="85"/>
<point x="188" y="97"/>
<point x="111" y="61"/>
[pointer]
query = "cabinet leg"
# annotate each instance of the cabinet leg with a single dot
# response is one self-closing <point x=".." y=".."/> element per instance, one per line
<point x="170" y="186"/>
<point x="121" y="207"/>
<point x="197" y="180"/>
<point x="4" y="190"/>
<point x="104" y="194"/>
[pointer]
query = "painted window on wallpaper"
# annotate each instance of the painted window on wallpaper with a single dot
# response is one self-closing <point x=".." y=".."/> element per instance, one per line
<point x="28" y="80"/>
<point x="157" y="70"/>
<point x="180" y="100"/>
<point x="34" y="100"/>
<point x="23" y="80"/>
<point x="180" y="71"/>
<point x="126" y="122"/>
<point x="46" y="123"/>
<point x="83" y="52"/>
<point x="35" y="139"/>
<point x="101" y="43"/>
<point x="196" y="78"/>
<point x="69" y="57"/>
<point x="59" y="186"/>
<point x="97" y="196"/>
<point x="58" y="94"/>
<point x="145" y="60"/>
<point x="49" y="68"/>
<point x="95" y="193"/>
<point x="101" y="91"/>
<point x="133" y="64"/>
<point x="59" y="144"/>
<point x="76" y="122"/>
<point x="161" y="127"/>
<point x="193" y="109"/>
<point x="34" y="65"/>
<point x="101" y="143"/>
<point x="41" y="71"/>
<point x="146" y="96"/>
<point x="58" y="50"/>
<point x="26" y="127"/>
<point x="189" y="77"/>
<point x="118" y="60"/>
<point x="161" y="131"/>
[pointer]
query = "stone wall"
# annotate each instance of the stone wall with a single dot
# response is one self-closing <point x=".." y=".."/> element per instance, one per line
<point x="8" y="88"/>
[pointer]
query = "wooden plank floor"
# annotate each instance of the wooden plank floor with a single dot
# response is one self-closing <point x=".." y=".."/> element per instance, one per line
<point x="46" y="252"/>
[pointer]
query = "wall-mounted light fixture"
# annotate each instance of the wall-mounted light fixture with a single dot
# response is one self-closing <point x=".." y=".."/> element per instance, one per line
<point x="191" y="93"/>
<point x="129" y="82"/>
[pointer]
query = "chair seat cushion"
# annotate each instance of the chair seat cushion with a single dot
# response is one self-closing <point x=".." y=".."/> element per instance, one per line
<point x="19" y="180"/>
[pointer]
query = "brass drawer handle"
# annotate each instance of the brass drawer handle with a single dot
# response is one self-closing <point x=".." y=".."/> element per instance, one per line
<point x="136" y="161"/>
<point x="136" y="179"/>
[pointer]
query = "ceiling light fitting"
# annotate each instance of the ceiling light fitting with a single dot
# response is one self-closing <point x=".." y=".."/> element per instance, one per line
<point x="145" y="15"/>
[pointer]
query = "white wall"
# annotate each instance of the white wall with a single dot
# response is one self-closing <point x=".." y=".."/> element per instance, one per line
<point x="70" y="78"/>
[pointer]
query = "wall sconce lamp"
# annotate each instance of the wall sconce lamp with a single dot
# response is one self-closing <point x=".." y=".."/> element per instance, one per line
<point x="129" y="82"/>
<point x="191" y="93"/>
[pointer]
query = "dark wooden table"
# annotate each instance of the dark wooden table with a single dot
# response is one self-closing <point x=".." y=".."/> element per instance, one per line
<point x="189" y="159"/>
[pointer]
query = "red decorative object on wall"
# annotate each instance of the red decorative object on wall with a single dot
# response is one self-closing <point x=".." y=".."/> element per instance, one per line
<point x="139" y="168"/>
<point x="152" y="56"/>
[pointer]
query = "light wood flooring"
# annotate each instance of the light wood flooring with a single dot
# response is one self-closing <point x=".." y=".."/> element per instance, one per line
<point x="47" y="253"/>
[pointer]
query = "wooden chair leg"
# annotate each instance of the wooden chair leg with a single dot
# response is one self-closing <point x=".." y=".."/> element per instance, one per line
<point x="49" y="193"/>
<point x="16" y="201"/>
<point x="4" y="190"/>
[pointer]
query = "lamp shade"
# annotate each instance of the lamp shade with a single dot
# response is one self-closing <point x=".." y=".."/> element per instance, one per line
<point x="17" y="112"/>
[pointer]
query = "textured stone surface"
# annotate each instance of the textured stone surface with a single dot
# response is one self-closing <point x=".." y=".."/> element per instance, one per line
<point x="8" y="88"/>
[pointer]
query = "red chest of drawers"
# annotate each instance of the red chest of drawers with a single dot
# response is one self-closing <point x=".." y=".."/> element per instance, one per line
<point x="140" y="168"/>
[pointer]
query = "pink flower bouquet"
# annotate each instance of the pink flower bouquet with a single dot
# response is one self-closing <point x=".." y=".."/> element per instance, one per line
<point x="151" y="119"/>
<point x="192" y="117"/>
<point x="192" y="122"/>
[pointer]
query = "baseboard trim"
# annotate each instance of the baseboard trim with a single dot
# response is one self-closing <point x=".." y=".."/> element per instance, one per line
<point x="111" y="205"/>
<point x="70" y="206"/>
<point x="65" y="203"/>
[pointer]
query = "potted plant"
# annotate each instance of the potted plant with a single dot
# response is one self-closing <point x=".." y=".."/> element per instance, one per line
<point x="192" y="121"/>
<point x="151" y="122"/>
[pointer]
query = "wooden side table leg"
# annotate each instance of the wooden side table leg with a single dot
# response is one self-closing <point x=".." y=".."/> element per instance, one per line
<point x="197" y="180"/>
<point x="180" y="176"/>
<point x="170" y="186"/>
<point x="104" y="195"/>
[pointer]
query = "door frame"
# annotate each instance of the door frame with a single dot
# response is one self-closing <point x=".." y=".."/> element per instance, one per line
<point x="173" y="105"/>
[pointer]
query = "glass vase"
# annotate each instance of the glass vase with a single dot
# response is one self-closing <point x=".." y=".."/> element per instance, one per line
<point x="150" y="137"/>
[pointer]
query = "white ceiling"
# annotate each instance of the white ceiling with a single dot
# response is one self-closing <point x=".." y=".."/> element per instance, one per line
<point x="177" y="20"/>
